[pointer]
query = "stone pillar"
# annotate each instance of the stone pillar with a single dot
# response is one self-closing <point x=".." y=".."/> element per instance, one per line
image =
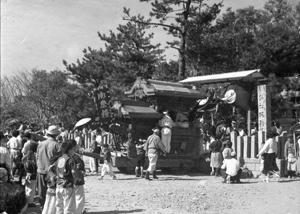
<point x="264" y="107"/>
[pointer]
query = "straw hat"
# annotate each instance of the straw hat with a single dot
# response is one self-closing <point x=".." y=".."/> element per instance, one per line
<point x="53" y="130"/>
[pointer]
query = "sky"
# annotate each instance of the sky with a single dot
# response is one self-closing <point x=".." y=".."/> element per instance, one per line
<point x="39" y="34"/>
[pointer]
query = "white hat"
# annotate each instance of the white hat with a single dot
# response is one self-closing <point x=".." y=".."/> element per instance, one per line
<point x="233" y="154"/>
<point x="53" y="130"/>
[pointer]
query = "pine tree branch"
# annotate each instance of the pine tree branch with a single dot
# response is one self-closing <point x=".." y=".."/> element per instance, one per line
<point x="155" y="24"/>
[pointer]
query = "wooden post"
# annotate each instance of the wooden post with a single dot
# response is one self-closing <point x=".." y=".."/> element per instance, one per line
<point x="249" y="121"/>
<point x="247" y="146"/>
<point x="233" y="140"/>
<point x="264" y="107"/>
<point x="254" y="145"/>
<point x="239" y="151"/>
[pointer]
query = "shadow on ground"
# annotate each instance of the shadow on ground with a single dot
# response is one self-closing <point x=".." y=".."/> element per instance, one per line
<point x="116" y="211"/>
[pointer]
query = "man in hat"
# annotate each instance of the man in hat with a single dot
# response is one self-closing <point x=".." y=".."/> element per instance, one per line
<point x="153" y="146"/>
<point x="166" y="132"/>
<point x="46" y="150"/>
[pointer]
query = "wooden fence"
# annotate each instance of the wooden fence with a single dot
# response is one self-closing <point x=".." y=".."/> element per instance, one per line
<point x="249" y="146"/>
<point x="245" y="146"/>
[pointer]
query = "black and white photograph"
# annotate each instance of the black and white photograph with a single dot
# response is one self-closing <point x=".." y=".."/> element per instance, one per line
<point x="150" y="107"/>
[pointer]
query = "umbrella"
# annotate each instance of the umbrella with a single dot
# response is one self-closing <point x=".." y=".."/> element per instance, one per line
<point x="82" y="122"/>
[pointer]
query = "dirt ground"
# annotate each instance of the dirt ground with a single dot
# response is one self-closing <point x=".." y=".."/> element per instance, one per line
<point x="192" y="193"/>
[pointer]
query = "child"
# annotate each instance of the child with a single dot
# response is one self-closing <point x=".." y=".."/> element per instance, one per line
<point x="140" y="158"/>
<point x="232" y="167"/>
<point x="227" y="151"/>
<point x="107" y="165"/>
<point x="30" y="168"/>
<point x="79" y="183"/>
<point x="290" y="153"/>
<point x="65" y="192"/>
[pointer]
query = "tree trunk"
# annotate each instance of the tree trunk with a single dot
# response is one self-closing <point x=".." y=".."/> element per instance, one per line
<point x="182" y="59"/>
<point x="182" y="48"/>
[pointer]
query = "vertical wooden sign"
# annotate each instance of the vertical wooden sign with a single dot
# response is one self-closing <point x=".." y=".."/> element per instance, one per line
<point x="264" y="107"/>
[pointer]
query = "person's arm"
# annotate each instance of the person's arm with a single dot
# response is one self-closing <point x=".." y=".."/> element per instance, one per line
<point x="224" y="165"/>
<point x="146" y="146"/>
<point x="264" y="148"/>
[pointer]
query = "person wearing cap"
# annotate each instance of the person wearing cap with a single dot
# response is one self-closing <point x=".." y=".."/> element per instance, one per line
<point x="232" y="169"/>
<point x="153" y="146"/>
<point x="166" y="132"/>
<point x="291" y="151"/>
<point x="46" y="150"/>
<point x="5" y="159"/>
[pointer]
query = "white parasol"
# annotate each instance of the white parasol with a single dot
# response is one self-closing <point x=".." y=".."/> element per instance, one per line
<point x="82" y="122"/>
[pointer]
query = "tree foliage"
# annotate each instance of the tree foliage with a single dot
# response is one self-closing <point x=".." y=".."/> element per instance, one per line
<point x="128" y="53"/>
<point x="249" y="38"/>
<point x="43" y="97"/>
<point x="177" y="17"/>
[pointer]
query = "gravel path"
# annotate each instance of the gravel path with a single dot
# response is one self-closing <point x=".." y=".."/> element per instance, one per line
<point x="190" y="194"/>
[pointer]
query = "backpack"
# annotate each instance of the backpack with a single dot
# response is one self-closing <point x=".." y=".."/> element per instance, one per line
<point x="30" y="166"/>
<point x="64" y="175"/>
<point x="78" y="171"/>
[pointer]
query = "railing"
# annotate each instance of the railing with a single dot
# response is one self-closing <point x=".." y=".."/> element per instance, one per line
<point x="249" y="146"/>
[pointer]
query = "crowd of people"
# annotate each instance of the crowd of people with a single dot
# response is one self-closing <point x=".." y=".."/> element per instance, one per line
<point x="223" y="160"/>
<point x="50" y="169"/>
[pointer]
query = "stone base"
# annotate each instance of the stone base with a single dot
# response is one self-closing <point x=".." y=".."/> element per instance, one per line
<point x="254" y="165"/>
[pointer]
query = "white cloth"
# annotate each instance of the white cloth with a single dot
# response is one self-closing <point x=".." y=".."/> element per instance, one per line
<point x="232" y="166"/>
<point x="92" y="164"/>
<point x="14" y="143"/>
<point x="30" y="187"/>
<point x="107" y="169"/>
<point x="269" y="147"/>
<point x="80" y="199"/>
<point x="166" y="134"/>
<point x="152" y="162"/>
<point x="65" y="200"/>
<point x="5" y="157"/>
<point x="50" y="203"/>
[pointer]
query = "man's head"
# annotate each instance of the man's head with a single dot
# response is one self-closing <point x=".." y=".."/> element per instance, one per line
<point x="155" y="130"/>
<point x="233" y="123"/>
<point x="27" y="136"/>
<point x="69" y="147"/>
<point x="53" y="131"/>
<point x="15" y="133"/>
